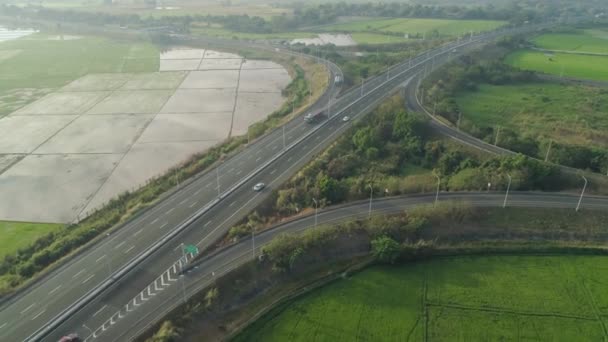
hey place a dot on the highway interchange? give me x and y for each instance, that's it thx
(196, 213)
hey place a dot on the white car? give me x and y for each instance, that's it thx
(259, 187)
(346, 118)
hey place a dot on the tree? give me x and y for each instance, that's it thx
(385, 249)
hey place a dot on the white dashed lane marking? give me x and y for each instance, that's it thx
(88, 278)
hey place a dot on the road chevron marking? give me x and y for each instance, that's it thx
(183, 261)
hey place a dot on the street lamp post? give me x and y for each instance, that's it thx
(504, 204)
(362, 85)
(217, 173)
(316, 206)
(284, 141)
(437, 193)
(580, 200)
(182, 271)
(371, 195)
(252, 241)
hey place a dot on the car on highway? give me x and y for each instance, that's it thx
(259, 187)
(70, 338)
(346, 118)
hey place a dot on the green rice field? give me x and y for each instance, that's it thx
(484, 298)
(582, 41)
(445, 27)
(561, 64)
(573, 115)
(41, 60)
(16, 235)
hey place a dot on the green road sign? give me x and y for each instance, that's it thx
(192, 249)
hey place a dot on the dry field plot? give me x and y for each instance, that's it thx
(75, 149)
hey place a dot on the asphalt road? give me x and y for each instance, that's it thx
(159, 300)
(198, 213)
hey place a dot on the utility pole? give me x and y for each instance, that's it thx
(371, 194)
(437, 193)
(458, 122)
(548, 150)
(580, 200)
(217, 173)
(316, 206)
(497, 134)
(284, 141)
(182, 271)
(504, 204)
(252, 241)
(362, 85)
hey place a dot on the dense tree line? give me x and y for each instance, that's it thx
(378, 152)
(303, 15)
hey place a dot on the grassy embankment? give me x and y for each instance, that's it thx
(575, 64)
(573, 115)
(557, 298)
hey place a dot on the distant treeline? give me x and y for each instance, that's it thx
(303, 16)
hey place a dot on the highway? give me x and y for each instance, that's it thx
(155, 300)
(104, 278)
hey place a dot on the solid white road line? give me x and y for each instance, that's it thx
(79, 273)
(38, 315)
(89, 278)
(100, 310)
(29, 307)
(55, 289)
(129, 249)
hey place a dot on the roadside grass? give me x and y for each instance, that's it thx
(567, 114)
(16, 235)
(568, 65)
(447, 27)
(453, 298)
(580, 41)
